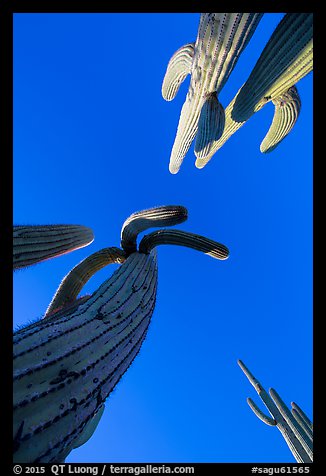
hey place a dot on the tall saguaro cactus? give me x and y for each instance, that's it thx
(286, 58)
(35, 243)
(66, 364)
(294, 425)
(210, 60)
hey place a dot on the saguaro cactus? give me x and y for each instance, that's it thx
(35, 243)
(286, 58)
(66, 364)
(210, 60)
(294, 425)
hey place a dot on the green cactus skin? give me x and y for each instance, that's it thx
(210, 60)
(295, 426)
(35, 243)
(287, 110)
(67, 364)
(286, 58)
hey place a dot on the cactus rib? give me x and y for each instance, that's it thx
(67, 364)
(35, 243)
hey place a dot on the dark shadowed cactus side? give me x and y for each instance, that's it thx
(286, 58)
(35, 243)
(294, 425)
(66, 364)
(210, 60)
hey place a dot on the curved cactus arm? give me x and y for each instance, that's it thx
(257, 411)
(286, 58)
(183, 238)
(35, 243)
(74, 281)
(304, 418)
(287, 110)
(167, 215)
(298, 431)
(90, 428)
(177, 70)
(210, 125)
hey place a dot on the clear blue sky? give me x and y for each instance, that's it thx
(92, 141)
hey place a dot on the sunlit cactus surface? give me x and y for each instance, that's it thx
(222, 37)
(210, 60)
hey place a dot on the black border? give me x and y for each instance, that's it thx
(7, 10)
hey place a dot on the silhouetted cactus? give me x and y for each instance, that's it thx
(295, 426)
(286, 58)
(66, 364)
(35, 243)
(210, 60)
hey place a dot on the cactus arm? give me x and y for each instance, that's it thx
(90, 428)
(302, 415)
(286, 58)
(210, 125)
(64, 369)
(33, 244)
(167, 215)
(299, 433)
(287, 110)
(183, 238)
(74, 281)
(177, 70)
(220, 40)
(257, 411)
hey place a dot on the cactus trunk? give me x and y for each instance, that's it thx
(66, 365)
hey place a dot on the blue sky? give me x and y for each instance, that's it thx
(92, 141)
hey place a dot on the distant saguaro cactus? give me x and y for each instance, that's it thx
(35, 243)
(66, 364)
(210, 60)
(286, 58)
(294, 425)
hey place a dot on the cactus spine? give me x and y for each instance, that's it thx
(33, 244)
(210, 60)
(294, 425)
(286, 58)
(66, 364)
